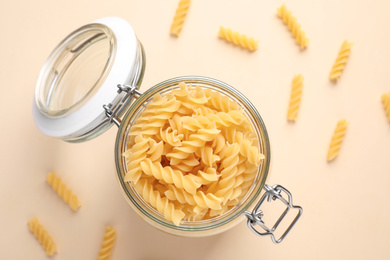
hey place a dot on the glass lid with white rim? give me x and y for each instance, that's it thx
(78, 85)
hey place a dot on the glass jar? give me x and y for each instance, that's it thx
(76, 100)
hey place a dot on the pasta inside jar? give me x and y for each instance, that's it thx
(192, 153)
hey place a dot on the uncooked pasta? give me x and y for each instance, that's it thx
(62, 191)
(337, 139)
(43, 237)
(107, 244)
(238, 39)
(341, 61)
(180, 15)
(386, 104)
(192, 154)
(295, 99)
(293, 26)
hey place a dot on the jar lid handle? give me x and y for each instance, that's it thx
(255, 217)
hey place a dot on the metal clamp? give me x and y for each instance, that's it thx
(112, 112)
(255, 217)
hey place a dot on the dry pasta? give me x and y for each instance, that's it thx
(62, 191)
(107, 244)
(293, 26)
(43, 237)
(238, 39)
(180, 15)
(337, 139)
(192, 154)
(341, 61)
(386, 104)
(295, 99)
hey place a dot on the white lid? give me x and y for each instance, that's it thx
(84, 117)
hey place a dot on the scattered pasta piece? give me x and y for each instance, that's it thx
(62, 191)
(43, 237)
(337, 139)
(238, 39)
(192, 154)
(386, 104)
(340, 62)
(180, 15)
(293, 26)
(107, 244)
(295, 99)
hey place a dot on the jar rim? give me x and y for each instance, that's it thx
(204, 225)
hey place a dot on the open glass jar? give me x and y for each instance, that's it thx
(76, 100)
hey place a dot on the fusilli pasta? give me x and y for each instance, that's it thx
(43, 237)
(386, 104)
(337, 139)
(62, 191)
(238, 39)
(192, 154)
(293, 26)
(162, 204)
(180, 15)
(107, 244)
(341, 61)
(295, 99)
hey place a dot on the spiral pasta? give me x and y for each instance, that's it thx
(386, 104)
(62, 191)
(337, 139)
(293, 26)
(180, 15)
(192, 154)
(43, 237)
(341, 61)
(238, 39)
(107, 244)
(162, 204)
(295, 99)
(170, 176)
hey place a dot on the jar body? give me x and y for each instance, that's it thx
(205, 227)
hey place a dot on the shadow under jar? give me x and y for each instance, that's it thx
(76, 108)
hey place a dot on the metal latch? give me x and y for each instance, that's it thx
(255, 217)
(112, 112)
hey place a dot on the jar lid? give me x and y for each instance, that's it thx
(81, 76)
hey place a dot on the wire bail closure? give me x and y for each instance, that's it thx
(113, 112)
(255, 217)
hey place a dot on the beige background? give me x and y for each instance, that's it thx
(346, 211)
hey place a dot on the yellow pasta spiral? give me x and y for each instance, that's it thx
(195, 141)
(134, 157)
(238, 39)
(337, 139)
(43, 237)
(229, 172)
(162, 204)
(180, 15)
(62, 191)
(200, 199)
(222, 103)
(107, 244)
(250, 152)
(341, 61)
(293, 26)
(170, 176)
(386, 104)
(160, 110)
(295, 99)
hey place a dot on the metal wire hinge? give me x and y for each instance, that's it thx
(255, 217)
(112, 112)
